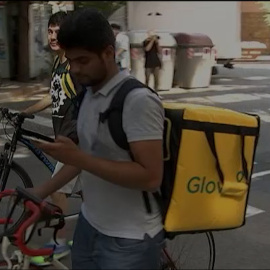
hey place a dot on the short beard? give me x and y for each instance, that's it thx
(99, 81)
(94, 83)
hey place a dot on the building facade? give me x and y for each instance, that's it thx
(255, 23)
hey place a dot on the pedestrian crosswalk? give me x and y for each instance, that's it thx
(40, 120)
(257, 99)
(21, 151)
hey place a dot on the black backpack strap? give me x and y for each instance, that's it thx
(114, 113)
(78, 98)
(56, 62)
(115, 121)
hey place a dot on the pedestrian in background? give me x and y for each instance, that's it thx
(122, 48)
(153, 63)
(61, 98)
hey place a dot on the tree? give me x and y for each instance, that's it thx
(107, 7)
(23, 65)
(266, 7)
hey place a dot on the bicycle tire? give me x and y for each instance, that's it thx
(27, 183)
(4, 265)
(186, 251)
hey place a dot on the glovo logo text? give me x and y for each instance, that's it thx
(198, 184)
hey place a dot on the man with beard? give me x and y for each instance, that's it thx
(114, 230)
(122, 48)
(62, 99)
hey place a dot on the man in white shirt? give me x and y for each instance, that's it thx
(114, 230)
(122, 48)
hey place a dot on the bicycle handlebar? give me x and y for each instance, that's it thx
(36, 208)
(16, 118)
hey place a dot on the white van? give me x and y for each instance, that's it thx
(220, 20)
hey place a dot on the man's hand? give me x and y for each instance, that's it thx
(63, 150)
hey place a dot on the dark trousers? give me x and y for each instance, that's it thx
(155, 72)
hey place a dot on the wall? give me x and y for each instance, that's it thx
(254, 23)
(4, 48)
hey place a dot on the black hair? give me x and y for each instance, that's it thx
(88, 29)
(57, 18)
(116, 26)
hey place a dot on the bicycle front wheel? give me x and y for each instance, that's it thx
(17, 177)
(16, 265)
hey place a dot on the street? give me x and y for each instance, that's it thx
(244, 88)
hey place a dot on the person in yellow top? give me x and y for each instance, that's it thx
(61, 97)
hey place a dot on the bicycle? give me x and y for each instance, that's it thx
(7, 165)
(41, 215)
(9, 169)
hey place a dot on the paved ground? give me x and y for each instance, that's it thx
(245, 88)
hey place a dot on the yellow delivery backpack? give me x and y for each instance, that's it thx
(208, 162)
(209, 158)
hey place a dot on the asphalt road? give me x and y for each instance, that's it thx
(246, 89)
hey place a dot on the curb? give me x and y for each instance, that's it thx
(253, 61)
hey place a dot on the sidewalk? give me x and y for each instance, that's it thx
(12, 91)
(16, 91)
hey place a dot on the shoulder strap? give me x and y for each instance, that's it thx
(114, 113)
(78, 98)
(55, 64)
(115, 121)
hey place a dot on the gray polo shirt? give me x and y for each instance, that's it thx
(112, 209)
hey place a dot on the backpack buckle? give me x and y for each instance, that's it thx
(102, 117)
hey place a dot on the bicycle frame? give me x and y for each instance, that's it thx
(23, 261)
(10, 148)
(38, 153)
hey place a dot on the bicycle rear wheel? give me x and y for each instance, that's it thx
(17, 177)
(186, 251)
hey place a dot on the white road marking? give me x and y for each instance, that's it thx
(225, 80)
(256, 78)
(195, 100)
(229, 98)
(252, 211)
(259, 174)
(6, 127)
(213, 88)
(20, 155)
(264, 115)
(40, 120)
(262, 95)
